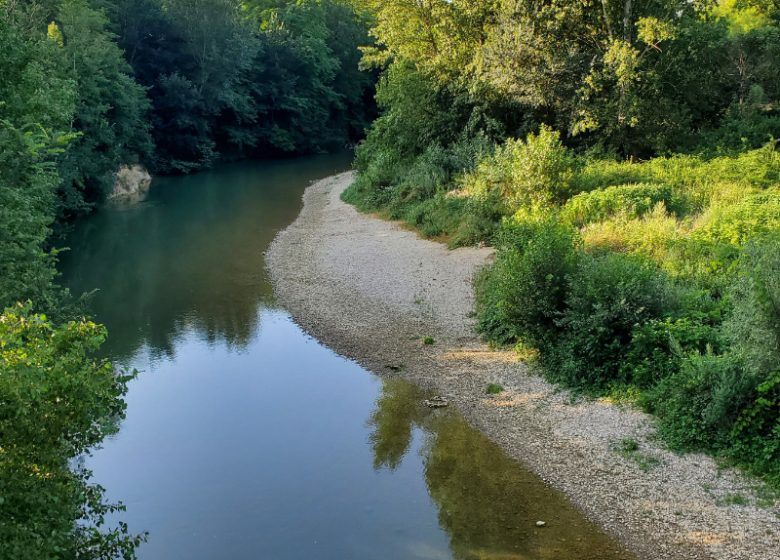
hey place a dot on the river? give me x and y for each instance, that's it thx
(247, 439)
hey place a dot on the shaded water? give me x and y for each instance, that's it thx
(247, 439)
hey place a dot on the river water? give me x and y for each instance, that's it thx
(247, 439)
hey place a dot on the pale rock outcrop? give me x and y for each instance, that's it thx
(131, 184)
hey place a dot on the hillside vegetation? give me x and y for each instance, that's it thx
(621, 157)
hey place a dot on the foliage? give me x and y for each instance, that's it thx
(631, 200)
(494, 389)
(523, 296)
(699, 404)
(27, 268)
(36, 106)
(230, 78)
(700, 350)
(110, 112)
(534, 172)
(609, 296)
(58, 402)
(658, 347)
(754, 324)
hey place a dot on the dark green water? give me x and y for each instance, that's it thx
(247, 439)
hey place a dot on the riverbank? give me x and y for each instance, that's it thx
(372, 290)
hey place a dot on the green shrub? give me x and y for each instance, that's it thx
(735, 224)
(746, 124)
(730, 402)
(696, 181)
(651, 236)
(754, 325)
(699, 405)
(523, 294)
(535, 172)
(416, 190)
(633, 201)
(753, 329)
(58, 402)
(609, 296)
(658, 347)
(756, 433)
(372, 189)
(494, 389)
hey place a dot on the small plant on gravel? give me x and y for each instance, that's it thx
(629, 448)
(766, 496)
(733, 500)
(494, 389)
(428, 340)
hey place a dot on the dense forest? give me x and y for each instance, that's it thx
(621, 156)
(87, 86)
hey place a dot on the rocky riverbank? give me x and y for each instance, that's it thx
(372, 291)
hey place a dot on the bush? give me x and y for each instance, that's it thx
(754, 325)
(699, 406)
(658, 348)
(730, 402)
(650, 236)
(58, 402)
(696, 181)
(523, 294)
(416, 190)
(537, 172)
(735, 224)
(632, 201)
(609, 296)
(756, 434)
(746, 124)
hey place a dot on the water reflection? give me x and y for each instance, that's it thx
(486, 503)
(190, 256)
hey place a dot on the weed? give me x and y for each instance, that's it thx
(629, 449)
(733, 500)
(494, 389)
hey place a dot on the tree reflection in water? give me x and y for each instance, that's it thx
(487, 503)
(189, 260)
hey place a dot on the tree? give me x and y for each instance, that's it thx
(110, 110)
(58, 402)
(35, 111)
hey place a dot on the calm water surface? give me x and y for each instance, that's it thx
(247, 439)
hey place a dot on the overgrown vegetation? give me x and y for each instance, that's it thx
(629, 182)
(618, 292)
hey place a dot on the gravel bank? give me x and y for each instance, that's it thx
(370, 289)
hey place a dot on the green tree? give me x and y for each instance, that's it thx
(58, 402)
(36, 105)
(110, 109)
